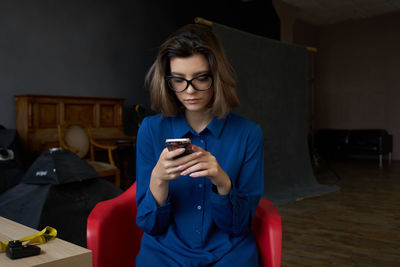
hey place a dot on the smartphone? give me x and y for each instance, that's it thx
(173, 144)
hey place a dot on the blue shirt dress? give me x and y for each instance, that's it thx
(196, 226)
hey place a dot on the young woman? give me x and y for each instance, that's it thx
(197, 210)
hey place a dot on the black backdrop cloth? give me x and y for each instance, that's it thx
(58, 190)
(272, 91)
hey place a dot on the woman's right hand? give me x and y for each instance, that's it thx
(168, 168)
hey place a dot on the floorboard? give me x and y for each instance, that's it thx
(358, 225)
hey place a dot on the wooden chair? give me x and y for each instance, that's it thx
(104, 169)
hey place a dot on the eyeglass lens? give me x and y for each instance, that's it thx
(200, 83)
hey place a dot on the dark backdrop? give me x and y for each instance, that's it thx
(101, 47)
(78, 47)
(272, 89)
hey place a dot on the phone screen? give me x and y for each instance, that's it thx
(173, 144)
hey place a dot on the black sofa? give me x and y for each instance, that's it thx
(339, 143)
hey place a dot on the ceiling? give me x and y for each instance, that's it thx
(320, 12)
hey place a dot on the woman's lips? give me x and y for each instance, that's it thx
(192, 101)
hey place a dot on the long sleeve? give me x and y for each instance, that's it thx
(234, 212)
(151, 218)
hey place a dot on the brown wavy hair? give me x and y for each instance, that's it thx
(187, 41)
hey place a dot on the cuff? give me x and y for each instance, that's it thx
(222, 200)
(150, 205)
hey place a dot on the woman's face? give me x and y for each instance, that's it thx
(188, 68)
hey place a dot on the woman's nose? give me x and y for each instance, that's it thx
(190, 89)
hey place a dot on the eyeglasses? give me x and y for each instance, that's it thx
(199, 83)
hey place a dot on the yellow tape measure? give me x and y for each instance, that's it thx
(44, 236)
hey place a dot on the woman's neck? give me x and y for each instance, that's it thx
(198, 120)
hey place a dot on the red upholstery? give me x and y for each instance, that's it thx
(114, 238)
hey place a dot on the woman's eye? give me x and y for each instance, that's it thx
(203, 78)
(177, 80)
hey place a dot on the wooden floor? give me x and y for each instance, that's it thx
(358, 225)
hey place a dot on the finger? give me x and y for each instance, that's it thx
(203, 173)
(170, 155)
(173, 172)
(199, 166)
(197, 148)
(189, 160)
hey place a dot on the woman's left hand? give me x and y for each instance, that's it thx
(207, 165)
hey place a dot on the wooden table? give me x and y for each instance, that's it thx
(55, 253)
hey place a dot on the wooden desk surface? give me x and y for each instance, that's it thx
(55, 253)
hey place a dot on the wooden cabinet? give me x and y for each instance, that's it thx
(37, 117)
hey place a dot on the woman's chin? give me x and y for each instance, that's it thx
(195, 108)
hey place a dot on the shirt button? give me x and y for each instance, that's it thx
(200, 185)
(199, 207)
(202, 141)
(198, 231)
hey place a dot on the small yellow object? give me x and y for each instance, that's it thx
(44, 236)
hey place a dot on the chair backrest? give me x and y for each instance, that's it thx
(74, 138)
(114, 237)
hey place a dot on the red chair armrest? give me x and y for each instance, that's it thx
(267, 227)
(112, 233)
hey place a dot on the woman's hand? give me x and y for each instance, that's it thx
(168, 168)
(207, 165)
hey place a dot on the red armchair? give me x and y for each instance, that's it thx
(114, 238)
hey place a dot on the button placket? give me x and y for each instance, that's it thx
(200, 195)
(203, 143)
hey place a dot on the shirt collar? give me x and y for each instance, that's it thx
(182, 128)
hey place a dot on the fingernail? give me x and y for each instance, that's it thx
(184, 173)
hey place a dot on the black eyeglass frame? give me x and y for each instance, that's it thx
(189, 82)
